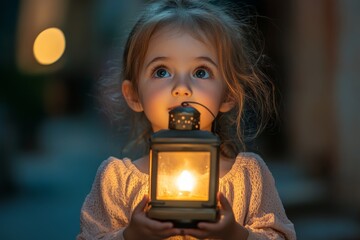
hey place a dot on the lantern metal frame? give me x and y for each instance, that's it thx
(184, 213)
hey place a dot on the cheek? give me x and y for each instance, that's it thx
(147, 91)
(152, 96)
(211, 97)
(212, 93)
(153, 100)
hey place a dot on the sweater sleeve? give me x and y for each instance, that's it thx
(105, 214)
(266, 218)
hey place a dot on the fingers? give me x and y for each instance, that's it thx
(160, 229)
(215, 229)
(225, 205)
(169, 233)
(157, 225)
(194, 232)
(157, 229)
(142, 204)
(148, 226)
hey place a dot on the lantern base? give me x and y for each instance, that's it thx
(184, 217)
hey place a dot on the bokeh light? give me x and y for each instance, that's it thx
(49, 46)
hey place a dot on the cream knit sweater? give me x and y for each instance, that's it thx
(249, 186)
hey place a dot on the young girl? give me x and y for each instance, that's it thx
(178, 51)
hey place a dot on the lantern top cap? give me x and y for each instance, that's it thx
(190, 136)
(184, 118)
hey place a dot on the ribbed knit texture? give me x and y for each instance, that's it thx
(249, 187)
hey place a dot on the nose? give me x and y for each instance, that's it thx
(181, 89)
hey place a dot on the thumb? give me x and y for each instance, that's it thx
(225, 205)
(142, 204)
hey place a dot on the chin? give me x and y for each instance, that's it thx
(156, 129)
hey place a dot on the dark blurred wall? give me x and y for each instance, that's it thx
(323, 94)
(347, 107)
(52, 136)
(312, 76)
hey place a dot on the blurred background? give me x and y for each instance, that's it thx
(53, 137)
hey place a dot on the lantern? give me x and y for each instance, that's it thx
(184, 171)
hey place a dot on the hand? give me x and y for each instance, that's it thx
(141, 227)
(225, 228)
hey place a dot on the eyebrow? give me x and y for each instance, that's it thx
(156, 59)
(207, 59)
(201, 58)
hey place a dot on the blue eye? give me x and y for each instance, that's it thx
(201, 73)
(161, 73)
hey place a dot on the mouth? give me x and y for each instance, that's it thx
(183, 104)
(171, 108)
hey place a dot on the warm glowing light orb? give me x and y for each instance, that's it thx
(49, 46)
(185, 182)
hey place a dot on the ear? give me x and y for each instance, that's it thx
(226, 106)
(130, 96)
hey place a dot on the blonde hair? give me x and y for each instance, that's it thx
(247, 86)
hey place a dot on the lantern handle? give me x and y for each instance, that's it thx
(186, 104)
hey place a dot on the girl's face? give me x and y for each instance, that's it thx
(177, 68)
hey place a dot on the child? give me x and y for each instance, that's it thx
(178, 51)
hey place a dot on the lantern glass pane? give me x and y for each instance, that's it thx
(183, 176)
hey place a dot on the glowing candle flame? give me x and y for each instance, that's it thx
(185, 182)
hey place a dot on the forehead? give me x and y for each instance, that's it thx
(176, 29)
(180, 41)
